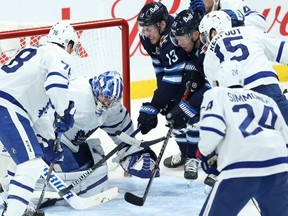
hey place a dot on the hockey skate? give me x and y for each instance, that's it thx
(210, 180)
(175, 161)
(191, 169)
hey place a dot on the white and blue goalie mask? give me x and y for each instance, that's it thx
(107, 89)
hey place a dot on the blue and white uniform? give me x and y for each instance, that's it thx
(249, 134)
(32, 82)
(255, 51)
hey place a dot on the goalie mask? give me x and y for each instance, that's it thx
(215, 20)
(107, 89)
(228, 74)
(63, 34)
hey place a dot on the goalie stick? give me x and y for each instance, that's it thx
(73, 199)
(65, 190)
(139, 143)
(139, 201)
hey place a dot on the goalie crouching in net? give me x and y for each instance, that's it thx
(98, 104)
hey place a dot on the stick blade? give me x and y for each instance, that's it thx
(133, 199)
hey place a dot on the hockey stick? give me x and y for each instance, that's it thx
(139, 201)
(56, 148)
(73, 199)
(139, 143)
(65, 190)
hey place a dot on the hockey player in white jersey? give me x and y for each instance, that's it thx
(247, 131)
(252, 48)
(99, 106)
(236, 9)
(33, 81)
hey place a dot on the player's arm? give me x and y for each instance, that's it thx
(212, 124)
(275, 48)
(117, 119)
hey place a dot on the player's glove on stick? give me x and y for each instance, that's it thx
(193, 80)
(208, 163)
(64, 123)
(180, 114)
(197, 6)
(147, 118)
(52, 154)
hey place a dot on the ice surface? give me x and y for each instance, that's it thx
(169, 195)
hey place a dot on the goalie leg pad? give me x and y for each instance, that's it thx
(141, 164)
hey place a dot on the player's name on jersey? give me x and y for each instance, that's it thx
(245, 97)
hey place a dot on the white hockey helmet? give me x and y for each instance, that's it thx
(218, 20)
(63, 33)
(228, 74)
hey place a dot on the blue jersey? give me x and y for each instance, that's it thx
(169, 62)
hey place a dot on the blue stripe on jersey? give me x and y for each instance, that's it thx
(259, 75)
(174, 79)
(255, 12)
(25, 187)
(257, 164)
(18, 198)
(175, 68)
(56, 74)
(11, 99)
(216, 116)
(279, 54)
(158, 69)
(214, 130)
(54, 85)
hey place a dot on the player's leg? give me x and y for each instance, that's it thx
(228, 197)
(274, 91)
(179, 159)
(192, 163)
(272, 195)
(20, 141)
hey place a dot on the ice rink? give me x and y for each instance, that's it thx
(169, 195)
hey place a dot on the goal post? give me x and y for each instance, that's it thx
(104, 45)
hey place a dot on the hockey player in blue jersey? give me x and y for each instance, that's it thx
(248, 133)
(171, 69)
(35, 80)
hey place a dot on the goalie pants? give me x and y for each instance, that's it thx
(229, 196)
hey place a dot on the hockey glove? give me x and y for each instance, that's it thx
(140, 164)
(237, 18)
(180, 114)
(51, 154)
(197, 6)
(193, 80)
(208, 163)
(147, 118)
(64, 123)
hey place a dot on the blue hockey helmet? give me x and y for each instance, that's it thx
(185, 22)
(152, 13)
(109, 84)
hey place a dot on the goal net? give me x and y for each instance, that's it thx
(104, 45)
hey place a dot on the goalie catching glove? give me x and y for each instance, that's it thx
(140, 163)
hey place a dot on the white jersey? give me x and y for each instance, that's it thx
(252, 17)
(246, 129)
(34, 79)
(253, 49)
